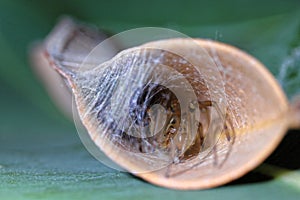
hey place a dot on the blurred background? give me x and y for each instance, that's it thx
(41, 156)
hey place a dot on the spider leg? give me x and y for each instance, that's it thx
(226, 127)
(195, 148)
(229, 132)
(215, 150)
(197, 144)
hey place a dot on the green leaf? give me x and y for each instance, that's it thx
(41, 156)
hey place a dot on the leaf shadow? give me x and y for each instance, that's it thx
(285, 156)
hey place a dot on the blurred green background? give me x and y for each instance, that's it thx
(41, 156)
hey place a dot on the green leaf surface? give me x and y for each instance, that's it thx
(41, 156)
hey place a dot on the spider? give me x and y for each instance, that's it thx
(142, 115)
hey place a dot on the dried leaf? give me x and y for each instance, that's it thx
(257, 113)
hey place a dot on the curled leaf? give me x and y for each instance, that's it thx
(181, 113)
